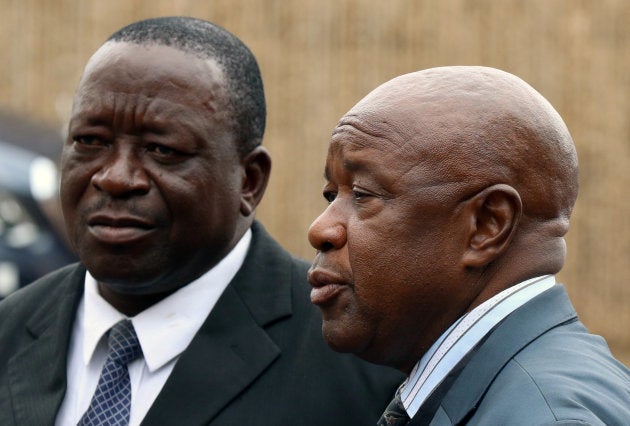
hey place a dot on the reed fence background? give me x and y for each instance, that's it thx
(318, 57)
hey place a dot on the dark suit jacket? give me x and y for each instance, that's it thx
(540, 366)
(259, 358)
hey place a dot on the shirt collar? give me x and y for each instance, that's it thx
(461, 337)
(166, 328)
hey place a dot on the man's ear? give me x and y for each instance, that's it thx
(493, 216)
(257, 166)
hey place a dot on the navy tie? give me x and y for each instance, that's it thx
(395, 413)
(111, 402)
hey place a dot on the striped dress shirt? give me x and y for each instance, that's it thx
(462, 337)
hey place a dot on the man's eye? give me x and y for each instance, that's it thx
(161, 150)
(330, 196)
(87, 140)
(359, 195)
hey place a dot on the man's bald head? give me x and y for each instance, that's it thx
(485, 126)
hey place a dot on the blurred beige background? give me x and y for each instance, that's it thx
(318, 57)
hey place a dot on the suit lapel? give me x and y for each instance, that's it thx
(524, 325)
(37, 373)
(232, 347)
(227, 355)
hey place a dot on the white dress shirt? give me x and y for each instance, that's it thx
(461, 337)
(164, 331)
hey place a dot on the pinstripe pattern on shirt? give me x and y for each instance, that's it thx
(462, 337)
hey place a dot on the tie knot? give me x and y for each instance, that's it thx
(123, 343)
(395, 413)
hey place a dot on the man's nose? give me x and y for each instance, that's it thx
(328, 231)
(122, 174)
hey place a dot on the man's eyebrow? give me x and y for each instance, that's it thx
(353, 166)
(349, 165)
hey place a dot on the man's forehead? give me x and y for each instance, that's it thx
(122, 68)
(394, 170)
(373, 145)
(96, 107)
(370, 129)
(363, 152)
(154, 59)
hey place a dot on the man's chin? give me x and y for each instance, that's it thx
(359, 341)
(134, 282)
(124, 287)
(344, 338)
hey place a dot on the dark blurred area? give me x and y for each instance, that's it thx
(32, 239)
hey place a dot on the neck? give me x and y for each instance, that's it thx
(131, 304)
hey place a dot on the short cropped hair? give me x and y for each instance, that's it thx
(210, 41)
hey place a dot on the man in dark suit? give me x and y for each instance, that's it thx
(450, 191)
(183, 310)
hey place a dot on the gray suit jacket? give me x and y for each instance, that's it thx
(540, 366)
(259, 358)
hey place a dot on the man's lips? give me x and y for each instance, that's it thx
(326, 286)
(118, 229)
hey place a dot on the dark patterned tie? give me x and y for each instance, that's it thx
(395, 413)
(111, 402)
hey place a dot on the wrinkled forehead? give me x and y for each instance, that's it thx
(441, 113)
(401, 125)
(412, 124)
(155, 69)
(370, 144)
(152, 87)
